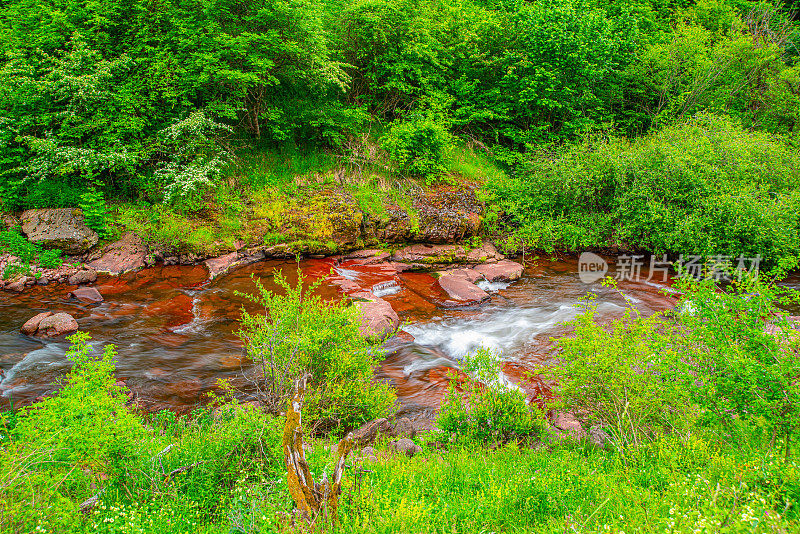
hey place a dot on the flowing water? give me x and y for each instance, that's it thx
(175, 330)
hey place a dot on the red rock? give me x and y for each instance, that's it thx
(17, 286)
(127, 254)
(222, 264)
(486, 253)
(87, 294)
(568, 423)
(462, 290)
(505, 270)
(378, 319)
(175, 310)
(84, 276)
(363, 254)
(348, 287)
(470, 275)
(32, 325)
(443, 254)
(57, 325)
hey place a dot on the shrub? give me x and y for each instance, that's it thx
(93, 205)
(301, 334)
(419, 146)
(705, 187)
(623, 376)
(195, 154)
(489, 410)
(15, 244)
(745, 354)
(729, 361)
(61, 445)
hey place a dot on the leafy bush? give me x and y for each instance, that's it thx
(87, 422)
(745, 354)
(195, 158)
(15, 244)
(705, 187)
(300, 334)
(93, 205)
(64, 443)
(419, 146)
(729, 360)
(489, 410)
(624, 376)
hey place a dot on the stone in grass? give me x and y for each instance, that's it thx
(405, 446)
(404, 428)
(599, 437)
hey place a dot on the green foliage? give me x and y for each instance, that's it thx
(195, 155)
(93, 205)
(728, 360)
(745, 353)
(671, 485)
(624, 376)
(488, 409)
(87, 422)
(420, 146)
(14, 243)
(61, 444)
(300, 334)
(705, 187)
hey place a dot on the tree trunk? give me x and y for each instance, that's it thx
(312, 499)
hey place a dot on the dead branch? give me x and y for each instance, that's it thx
(312, 499)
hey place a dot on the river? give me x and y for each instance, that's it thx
(175, 330)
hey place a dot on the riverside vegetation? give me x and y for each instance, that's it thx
(670, 127)
(699, 411)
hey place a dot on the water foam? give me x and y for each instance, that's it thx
(500, 329)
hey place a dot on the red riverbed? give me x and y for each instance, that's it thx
(175, 330)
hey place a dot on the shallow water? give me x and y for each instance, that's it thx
(175, 331)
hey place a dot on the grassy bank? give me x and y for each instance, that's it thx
(290, 196)
(704, 187)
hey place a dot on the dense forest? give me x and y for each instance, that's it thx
(197, 107)
(238, 128)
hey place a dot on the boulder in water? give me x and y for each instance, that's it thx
(427, 254)
(59, 324)
(463, 291)
(17, 286)
(378, 319)
(87, 294)
(61, 228)
(32, 325)
(503, 270)
(221, 264)
(470, 275)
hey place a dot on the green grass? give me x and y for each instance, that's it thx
(474, 166)
(678, 485)
(265, 188)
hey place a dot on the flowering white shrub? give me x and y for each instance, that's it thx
(196, 156)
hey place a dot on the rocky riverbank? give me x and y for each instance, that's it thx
(320, 222)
